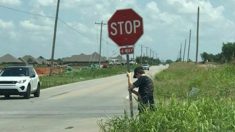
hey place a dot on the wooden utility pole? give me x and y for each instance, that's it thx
(146, 51)
(184, 48)
(54, 37)
(141, 59)
(189, 41)
(181, 52)
(134, 54)
(101, 28)
(197, 40)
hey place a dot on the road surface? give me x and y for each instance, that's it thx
(69, 108)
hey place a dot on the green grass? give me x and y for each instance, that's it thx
(211, 108)
(179, 79)
(80, 75)
(200, 115)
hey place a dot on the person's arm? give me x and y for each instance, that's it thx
(131, 86)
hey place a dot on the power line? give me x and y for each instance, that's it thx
(25, 12)
(71, 27)
(40, 15)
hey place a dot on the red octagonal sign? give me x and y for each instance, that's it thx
(125, 27)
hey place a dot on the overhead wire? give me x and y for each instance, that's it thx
(51, 17)
(40, 15)
(25, 12)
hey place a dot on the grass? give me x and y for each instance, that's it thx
(80, 75)
(201, 115)
(179, 79)
(210, 108)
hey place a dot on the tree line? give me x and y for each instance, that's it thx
(227, 55)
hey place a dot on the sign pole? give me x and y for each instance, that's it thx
(130, 94)
(125, 27)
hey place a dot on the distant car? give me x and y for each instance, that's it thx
(132, 62)
(19, 80)
(145, 66)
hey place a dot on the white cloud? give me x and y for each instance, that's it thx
(152, 7)
(166, 23)
(47, 2)
(6, 25)
(211, 13)
(7, 29)
(29, 25)
(10, 2)
(207, 10)
(184, 6)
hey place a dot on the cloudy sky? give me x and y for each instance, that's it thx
(26, 26)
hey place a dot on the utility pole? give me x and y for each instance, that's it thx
(101, 28)
(184, 48)
(147, 58)
(197, 40)
(141, 55)
(189, 41)
(134, 54)
(153, 57)
(180, 52)
(146, 51)
(150, 50)
(54, 37)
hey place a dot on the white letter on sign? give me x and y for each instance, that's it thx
(136, 24)
(114, 31)
(120, 27)
(128, 24)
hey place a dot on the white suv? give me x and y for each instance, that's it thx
(19, 80)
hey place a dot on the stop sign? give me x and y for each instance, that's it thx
(125, 27)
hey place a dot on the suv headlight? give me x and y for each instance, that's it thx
(21, 81)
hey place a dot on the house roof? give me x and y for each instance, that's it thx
(8, 58)
(84, 58)
(119, 57)
(42, 60)
(30, 59)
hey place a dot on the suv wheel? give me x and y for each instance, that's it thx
(28, 92)
(37, 93)
(7, 96)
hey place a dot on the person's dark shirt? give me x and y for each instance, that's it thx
(145, 85)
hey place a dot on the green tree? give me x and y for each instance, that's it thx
(228, 51)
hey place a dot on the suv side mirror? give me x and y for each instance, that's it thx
(33, 75)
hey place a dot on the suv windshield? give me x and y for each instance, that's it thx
(16, 71)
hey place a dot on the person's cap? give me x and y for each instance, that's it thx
(138, 70)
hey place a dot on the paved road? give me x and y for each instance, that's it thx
(69, 108)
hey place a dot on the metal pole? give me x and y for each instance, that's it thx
(198, 10)
(54, 37)
(130, 94)
(189, 44)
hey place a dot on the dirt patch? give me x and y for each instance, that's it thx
(43, 71)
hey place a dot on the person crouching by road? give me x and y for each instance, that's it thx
(145, 92)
